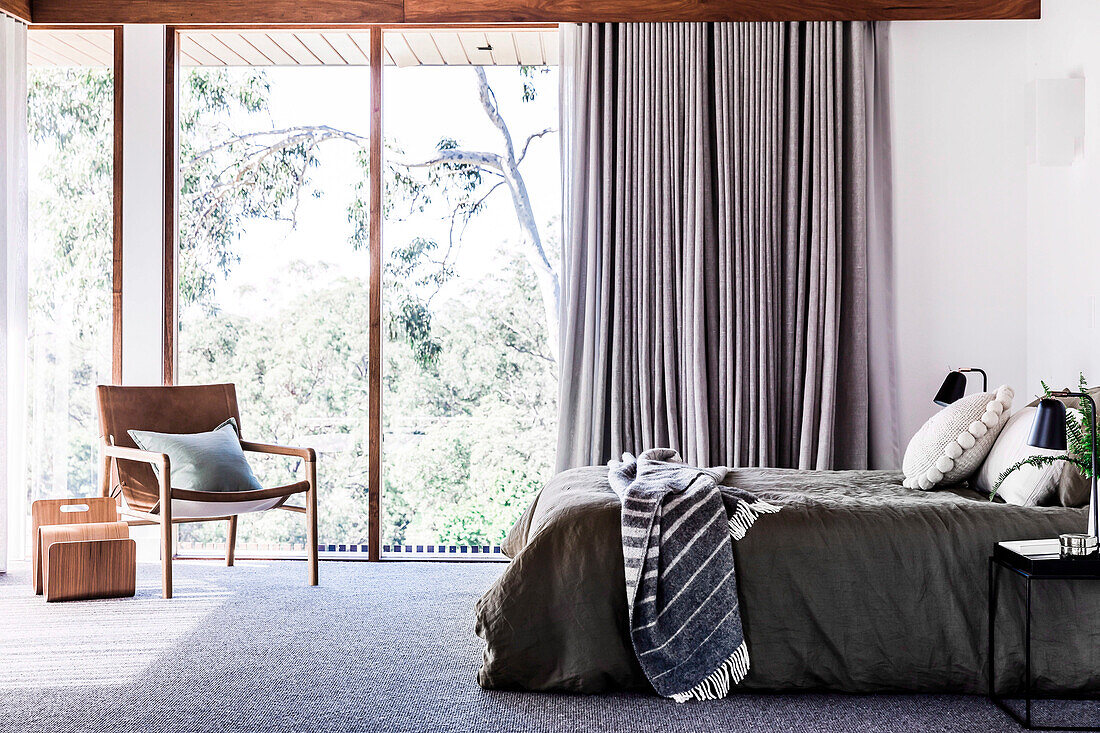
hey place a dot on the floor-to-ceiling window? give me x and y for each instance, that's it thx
(273, 269)
(71, 103)
(470, 279)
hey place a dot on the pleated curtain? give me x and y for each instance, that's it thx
(715, 243)
(13, 283)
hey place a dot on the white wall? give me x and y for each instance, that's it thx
(997, 258)
(959, 201)
(143, 222)
(1063, 232)
(142, 203)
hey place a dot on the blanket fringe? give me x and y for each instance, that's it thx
(718, 683)
(746, 514)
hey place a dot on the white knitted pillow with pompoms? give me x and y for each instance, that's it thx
(954, 442)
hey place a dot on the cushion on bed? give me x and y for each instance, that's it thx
(1027, 485)
(1074, 489)
(954, 442)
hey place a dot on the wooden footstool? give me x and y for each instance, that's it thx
(81, 550)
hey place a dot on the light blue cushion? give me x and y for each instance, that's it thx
(210, 461)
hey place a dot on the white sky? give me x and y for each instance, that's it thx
(423, 104)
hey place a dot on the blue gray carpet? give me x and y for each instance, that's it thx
(376, 647)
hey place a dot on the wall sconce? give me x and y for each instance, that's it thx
(1059, 134)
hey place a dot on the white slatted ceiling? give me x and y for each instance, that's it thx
(320, 48)
(551, 48)
(270, 50)
(421, 46)
(504, 47)
(398, 51)
(70, 48)
(352, 54)
(294, 47)
(102, 40)
(530, 48)
(192, 48)
(273, 47)
(216, 45)
(451, 48)
(244, 49)
(476, 48)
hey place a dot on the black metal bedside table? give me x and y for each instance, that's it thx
(1033, 560)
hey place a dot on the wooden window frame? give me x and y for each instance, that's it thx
(374, 313)
(171, 250)
(116, 204)
(171, 202)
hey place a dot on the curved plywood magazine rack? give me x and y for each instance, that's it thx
(81, 550)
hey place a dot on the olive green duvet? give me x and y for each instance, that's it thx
(857, 584)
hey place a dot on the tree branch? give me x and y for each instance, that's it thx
(326, 132)
(481, 159)
(530, 139)
(489, 103)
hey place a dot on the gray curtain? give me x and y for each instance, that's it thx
(715, 249)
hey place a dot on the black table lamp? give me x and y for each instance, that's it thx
(954, 386)
(1048, 430)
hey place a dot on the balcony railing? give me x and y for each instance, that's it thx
(289, 551)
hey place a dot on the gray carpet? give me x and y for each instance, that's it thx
(376, 647)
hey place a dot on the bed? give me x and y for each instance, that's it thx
(857, 585)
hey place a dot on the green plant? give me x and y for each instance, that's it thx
(1078, 442)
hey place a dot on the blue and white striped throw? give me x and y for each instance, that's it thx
(681, 583)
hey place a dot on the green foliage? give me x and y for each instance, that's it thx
(1078, 442)
(470, 438)
(300, 366)
(409, 318)
(530, 87)
(69, 122)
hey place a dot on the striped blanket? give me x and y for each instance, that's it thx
(681, 583)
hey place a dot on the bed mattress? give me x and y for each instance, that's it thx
(858, 584)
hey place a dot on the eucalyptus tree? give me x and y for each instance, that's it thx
(230, 174)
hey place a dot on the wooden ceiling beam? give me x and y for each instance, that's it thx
(625, 11)
(219, 12)
(313, 12)
(20, 9)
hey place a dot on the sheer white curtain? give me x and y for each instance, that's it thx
(13, 281)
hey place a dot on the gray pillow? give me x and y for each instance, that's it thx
(210, 461)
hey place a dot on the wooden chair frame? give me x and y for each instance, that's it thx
(165, 520)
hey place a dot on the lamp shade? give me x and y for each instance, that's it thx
(952, 389)
(1048, 429)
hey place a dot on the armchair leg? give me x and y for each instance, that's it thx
(166, 527)
(231, 542)
(311, 521)
(166, 550)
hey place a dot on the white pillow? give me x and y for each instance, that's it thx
(952, 444)
(1027, 485)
